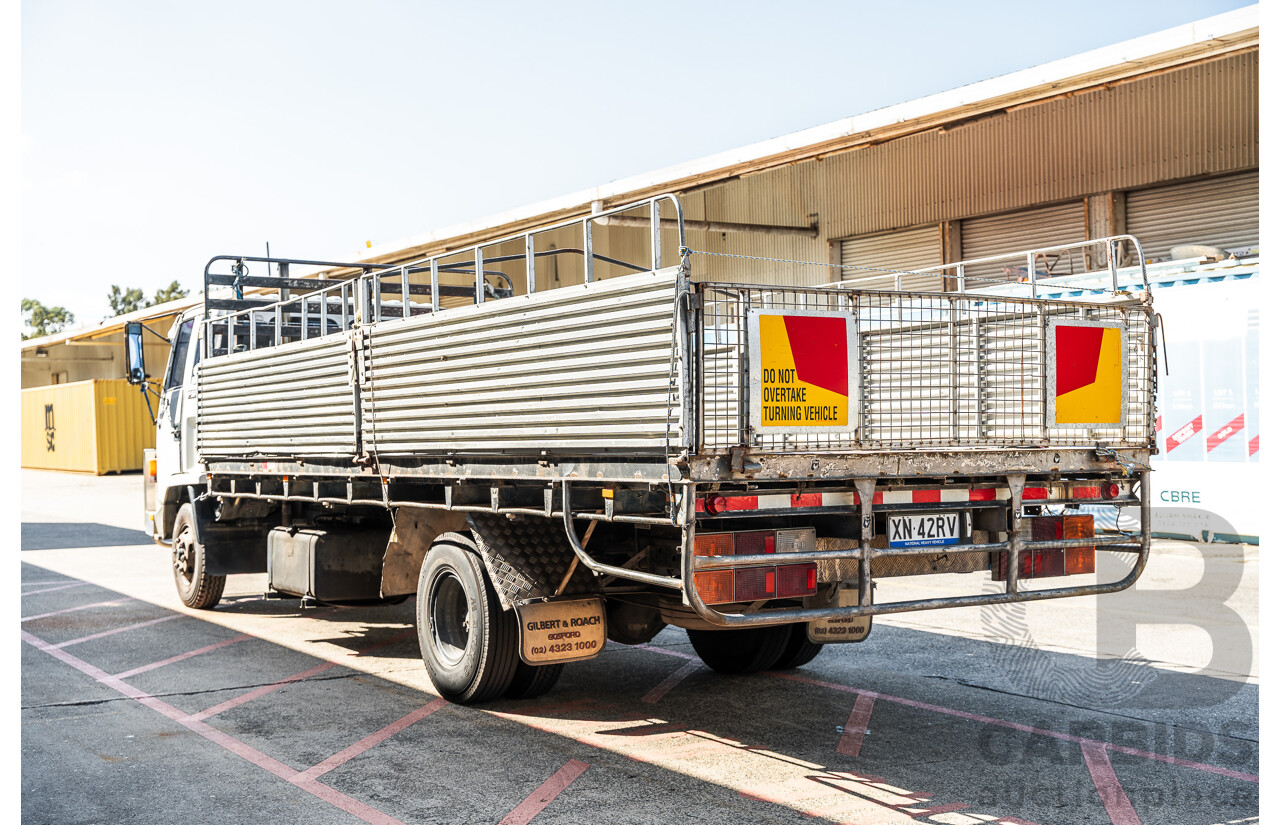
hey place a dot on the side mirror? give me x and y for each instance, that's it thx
(135, 367)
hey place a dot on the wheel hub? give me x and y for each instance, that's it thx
(450, 619)
(182, 559)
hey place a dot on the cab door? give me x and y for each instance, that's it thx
(175, 425)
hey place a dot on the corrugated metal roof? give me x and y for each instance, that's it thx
(1217, 35)
(148, 315)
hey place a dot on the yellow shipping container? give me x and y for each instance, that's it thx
(99, 426)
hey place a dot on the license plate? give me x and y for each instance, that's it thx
(919, 530)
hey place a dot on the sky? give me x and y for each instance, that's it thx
(155, 135)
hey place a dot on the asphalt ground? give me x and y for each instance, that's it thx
(1136, 707)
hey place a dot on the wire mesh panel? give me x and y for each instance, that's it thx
(935, 370)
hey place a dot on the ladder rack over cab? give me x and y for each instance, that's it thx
(681, 438)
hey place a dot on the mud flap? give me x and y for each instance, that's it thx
(527, 558)
(411, 537)
(844, 628)
(561, 631)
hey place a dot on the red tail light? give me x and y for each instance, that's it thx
(1063, 561)
(753, 583)
(753, 543)
(1110, 489)
(797, 580)
(757, 582)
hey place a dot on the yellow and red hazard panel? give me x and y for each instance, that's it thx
(803, 371)
(1086, 373)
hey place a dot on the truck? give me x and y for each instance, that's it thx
(657, 436)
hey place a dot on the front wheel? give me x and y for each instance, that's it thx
(469, 644)
(196, 587)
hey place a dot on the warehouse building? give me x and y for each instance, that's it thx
(1155, 137)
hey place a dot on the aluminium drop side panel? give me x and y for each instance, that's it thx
(293, 400)
(579, 369)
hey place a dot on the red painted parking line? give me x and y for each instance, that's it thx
(1066, 737)
(666, 651)
(230, 743)
(1116, 801)
(51, 589)
(288, 680)
(116, 630)
(349, 753)
(249, 696)
(74, 609)
(856, 727)
(183, 656)
(665, 686)
(547, 791)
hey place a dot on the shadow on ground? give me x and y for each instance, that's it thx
(63, 535)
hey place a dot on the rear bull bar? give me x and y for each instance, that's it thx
(864, 553)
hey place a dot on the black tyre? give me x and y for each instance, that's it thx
(196, 588)
(740, 651)
(799, 650)
(468, 642)
(531, 681)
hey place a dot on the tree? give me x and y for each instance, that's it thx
(124, 300)
(172, 292)
(131, 299)
(43, 320)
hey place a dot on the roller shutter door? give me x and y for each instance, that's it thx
(1221, 212)
(1020, 231)
(902, 250)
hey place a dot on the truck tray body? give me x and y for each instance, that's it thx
(610, 369)
(669, 403)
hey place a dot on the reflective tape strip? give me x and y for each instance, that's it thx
(949, 495)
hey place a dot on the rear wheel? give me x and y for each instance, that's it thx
(468, 642)
(196, 587)
(740, 651)
(799, 650)
(531, 681)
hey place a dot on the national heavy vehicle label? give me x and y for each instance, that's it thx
(1086, 373)
(804, 371)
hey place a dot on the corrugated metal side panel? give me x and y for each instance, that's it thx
(580, 368)
(123, 426)
(296, 399)
(1000, 234)
(58, 431)
(908, 249)
(1220, 212)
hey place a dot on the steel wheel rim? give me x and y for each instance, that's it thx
(450, 628)
(183, 564)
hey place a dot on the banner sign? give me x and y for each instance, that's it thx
(1088, 373)
(804, 371)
